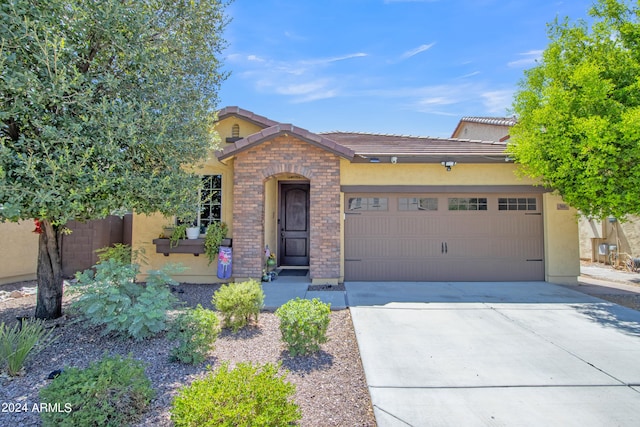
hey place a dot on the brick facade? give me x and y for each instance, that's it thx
(286, 154)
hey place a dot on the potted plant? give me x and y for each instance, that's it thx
(193, 231)
(167, 231)
(179, 232)
(216, 231)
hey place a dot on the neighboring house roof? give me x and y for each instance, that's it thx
(491, 121)
(363, 147)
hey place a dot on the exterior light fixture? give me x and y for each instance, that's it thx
(394, 160)
(448, 165)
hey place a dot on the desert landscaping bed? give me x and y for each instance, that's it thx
(331, 389)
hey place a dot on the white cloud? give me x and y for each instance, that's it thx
(417, 50)
(497, 101)
(475, 73)
(529, 59)
(455, 99)
(302, 80)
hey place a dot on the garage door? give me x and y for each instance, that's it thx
(443, 237)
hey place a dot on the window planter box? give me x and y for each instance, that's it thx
(185, 246)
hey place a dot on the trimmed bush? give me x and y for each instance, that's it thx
(111, 392)
(249, 395)
(239, 303)
(303, 324)
(112, 298)
(17, 343)
(196, 330)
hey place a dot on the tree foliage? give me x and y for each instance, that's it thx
(102, 104)
(579, 112)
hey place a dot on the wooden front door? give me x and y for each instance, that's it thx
(294, 224)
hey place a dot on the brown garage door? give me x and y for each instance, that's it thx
(443, 237)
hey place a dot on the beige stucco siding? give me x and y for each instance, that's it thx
(484, 132)
(429, 174)
(624, 235)
(562, 255)
(18, 252)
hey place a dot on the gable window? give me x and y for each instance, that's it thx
(235, 134)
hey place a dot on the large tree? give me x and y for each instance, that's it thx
(102, 104)
(578, 112)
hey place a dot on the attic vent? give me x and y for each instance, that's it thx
(235, 133)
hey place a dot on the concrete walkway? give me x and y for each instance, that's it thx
(286, 288)
(510, 354)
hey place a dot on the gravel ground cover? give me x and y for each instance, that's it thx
(331, 389)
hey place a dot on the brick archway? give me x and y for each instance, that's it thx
(286, 154)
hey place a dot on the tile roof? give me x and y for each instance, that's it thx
(361, 147)
(281, 129)
(246, 115)
(419, 148)
(496, 121)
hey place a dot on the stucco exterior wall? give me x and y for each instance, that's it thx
(146, 228)
(561, 250)
(223, 127)
(429, 174)
(484, 132)
(625, 235)
(18, 252)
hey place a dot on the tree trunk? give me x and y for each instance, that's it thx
(49, 304)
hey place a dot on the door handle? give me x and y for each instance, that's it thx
(441, 247)
(446, 249)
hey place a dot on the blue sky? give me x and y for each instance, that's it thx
(412, 67)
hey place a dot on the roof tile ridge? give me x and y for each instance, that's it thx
(380, 134)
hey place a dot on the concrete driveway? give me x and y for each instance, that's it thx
(496, 354)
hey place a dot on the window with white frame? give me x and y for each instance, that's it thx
(210, 200)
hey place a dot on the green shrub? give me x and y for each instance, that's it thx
(239, 303)
(121, 253)
(113, 391)
(196, 331)
(249, 395)
(111, 298)
(303, 324)
(17, 343)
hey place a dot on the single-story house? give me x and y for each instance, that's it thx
(366, 207)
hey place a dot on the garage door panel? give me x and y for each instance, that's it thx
(417, 226)
(398, 243)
